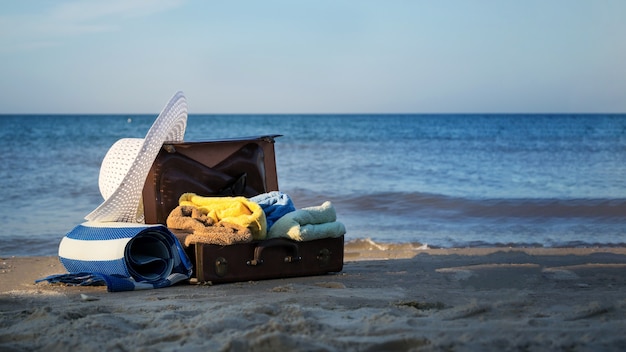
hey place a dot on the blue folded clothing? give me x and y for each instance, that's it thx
(275, 205)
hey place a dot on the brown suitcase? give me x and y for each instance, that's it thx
(268, 259)
(233, 167)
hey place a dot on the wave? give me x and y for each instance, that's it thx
(48, 246)
(368, 244)
(405, 204)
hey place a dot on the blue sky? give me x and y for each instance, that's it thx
(322, 56)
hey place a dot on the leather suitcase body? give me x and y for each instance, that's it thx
(268, 259)
(233, 167)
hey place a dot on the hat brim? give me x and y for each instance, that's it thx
(125, 203)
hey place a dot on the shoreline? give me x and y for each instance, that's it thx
(388, 297)
(364, 245)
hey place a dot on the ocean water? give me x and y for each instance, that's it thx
(438, 180)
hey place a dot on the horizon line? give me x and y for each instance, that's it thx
(312, 113)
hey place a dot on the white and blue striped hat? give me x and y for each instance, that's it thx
(126, 165)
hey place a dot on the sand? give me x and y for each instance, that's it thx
(387, 298)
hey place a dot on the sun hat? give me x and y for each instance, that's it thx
(126, 165)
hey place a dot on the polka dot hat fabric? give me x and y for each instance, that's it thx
(126, 165)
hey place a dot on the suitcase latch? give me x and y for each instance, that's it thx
(169, 148)
(324, 257)
(221, 266)
(291, 259)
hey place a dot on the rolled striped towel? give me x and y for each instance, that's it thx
(124, 256)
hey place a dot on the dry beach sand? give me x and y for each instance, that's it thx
(392, 297)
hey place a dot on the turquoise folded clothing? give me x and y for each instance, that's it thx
(308, 224)
(122, 256)
(275, 205)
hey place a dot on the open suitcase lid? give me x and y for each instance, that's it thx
(226, 167)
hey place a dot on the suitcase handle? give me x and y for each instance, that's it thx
(275, 242)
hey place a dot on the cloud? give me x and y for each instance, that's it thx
(23, 31)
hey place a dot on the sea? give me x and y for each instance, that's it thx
(434, 181)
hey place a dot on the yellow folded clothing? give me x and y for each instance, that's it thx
(202, 229)
(231, 210)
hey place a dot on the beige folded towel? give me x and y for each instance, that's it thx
(232, 210)
(204, 229)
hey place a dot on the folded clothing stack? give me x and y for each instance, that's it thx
(218, 220)
(229, 220)
(308, 224)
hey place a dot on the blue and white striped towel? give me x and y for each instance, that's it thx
(124, 256)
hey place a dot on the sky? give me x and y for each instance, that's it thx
(321, 56)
